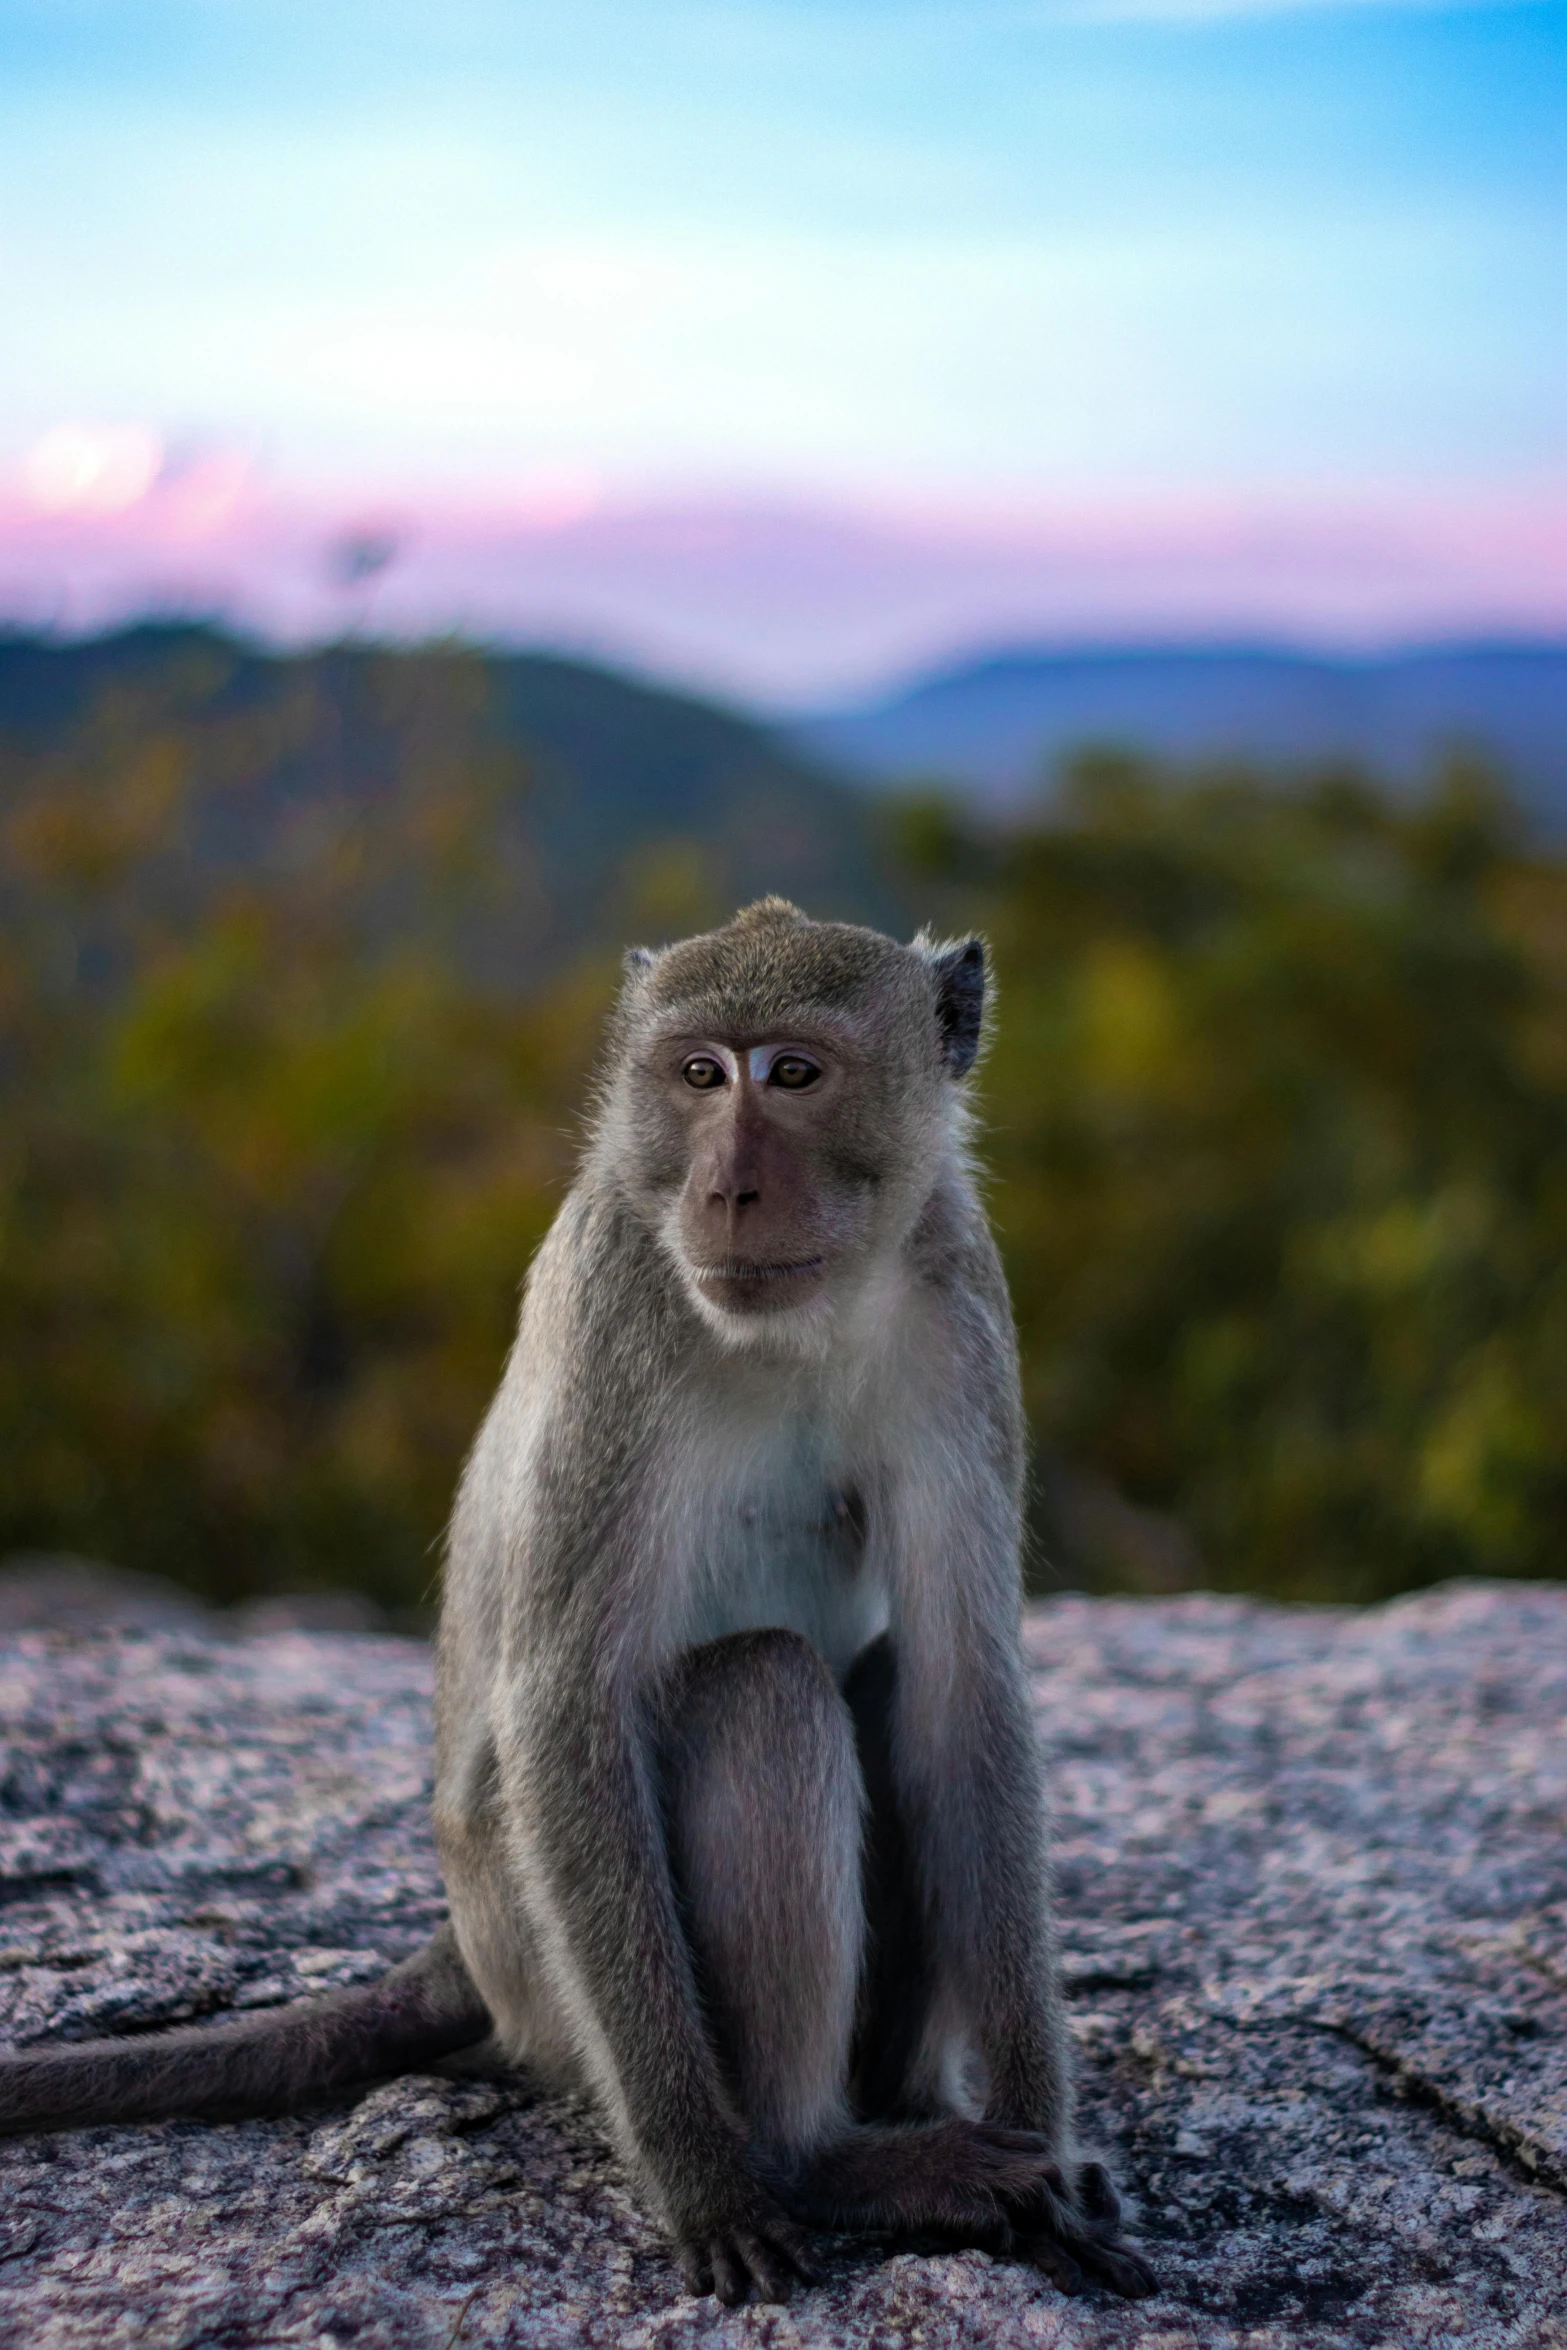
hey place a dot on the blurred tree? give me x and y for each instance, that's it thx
(273, 1158)
(1278, 1118)
(1277, 1114)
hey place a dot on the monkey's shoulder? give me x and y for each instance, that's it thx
(602, 1319)
(954, 1270)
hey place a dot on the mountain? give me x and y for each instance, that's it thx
(997, 727)
(623, 809)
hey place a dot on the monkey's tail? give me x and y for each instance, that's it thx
(263, 2063)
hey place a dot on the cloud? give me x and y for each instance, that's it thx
(795, 601)
(91, 468)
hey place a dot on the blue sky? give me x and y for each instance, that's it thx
(834, 246)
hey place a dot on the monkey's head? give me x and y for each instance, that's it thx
(781, 1099)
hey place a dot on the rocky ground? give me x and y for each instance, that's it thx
(1313, 1874)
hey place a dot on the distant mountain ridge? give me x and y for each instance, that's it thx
(629, 810)
(996, 727)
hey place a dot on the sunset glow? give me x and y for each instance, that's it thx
(772, 342)
(90, 469)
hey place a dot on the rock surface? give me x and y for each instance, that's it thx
(1313, 1877)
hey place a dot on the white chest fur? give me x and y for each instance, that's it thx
(774, 1528)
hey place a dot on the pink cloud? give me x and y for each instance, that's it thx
(779, 600)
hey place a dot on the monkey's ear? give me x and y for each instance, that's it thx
(959, 973)
(637, 962)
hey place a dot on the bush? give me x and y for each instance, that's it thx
(272, 1159)
(1278, 1118)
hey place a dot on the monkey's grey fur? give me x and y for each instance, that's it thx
(737, 1793)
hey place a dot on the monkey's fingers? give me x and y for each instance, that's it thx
(1096, 2195)
(696, 2272)
(1124, 2272)
(1068, 2258)
(727, 2265)
(1113, 2263)
(786, 2238)
(775, 2263)
(731, 2277)
(1016, 2168)
(1053, 2260)
(1041, 2207)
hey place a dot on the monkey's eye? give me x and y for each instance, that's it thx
(794, 1072)
(703, 1072)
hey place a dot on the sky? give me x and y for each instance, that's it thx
(777, 343)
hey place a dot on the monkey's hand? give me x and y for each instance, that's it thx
(739, 2237)
(1067, 2227)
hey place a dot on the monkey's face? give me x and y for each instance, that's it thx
(778, 1171)
(780, 1107)
(779, 1189)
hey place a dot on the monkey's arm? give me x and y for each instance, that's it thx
(966, 1758)
(970, 1791)
(578, 1789)
(547, 1568)
(966, 1755)
(971, 1787)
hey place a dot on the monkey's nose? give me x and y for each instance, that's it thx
(731, 1197)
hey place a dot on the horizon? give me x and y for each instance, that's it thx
(902, 686)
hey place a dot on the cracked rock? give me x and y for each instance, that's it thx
(1312, 1875)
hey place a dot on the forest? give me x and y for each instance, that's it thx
(302, 967)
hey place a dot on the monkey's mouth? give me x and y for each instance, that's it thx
(748, 1282)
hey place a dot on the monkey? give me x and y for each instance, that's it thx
(737, 1799)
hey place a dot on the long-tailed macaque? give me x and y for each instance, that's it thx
(737, 1793)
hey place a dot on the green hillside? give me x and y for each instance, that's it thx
(613, 807)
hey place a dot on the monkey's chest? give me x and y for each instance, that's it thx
(796, 1559)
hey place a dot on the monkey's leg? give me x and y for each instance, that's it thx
(763, 1802)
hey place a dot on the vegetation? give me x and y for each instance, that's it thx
(273, 1155)
(1277, 1110)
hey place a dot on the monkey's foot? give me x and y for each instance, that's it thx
(971, 2182)
(1070, 2236)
